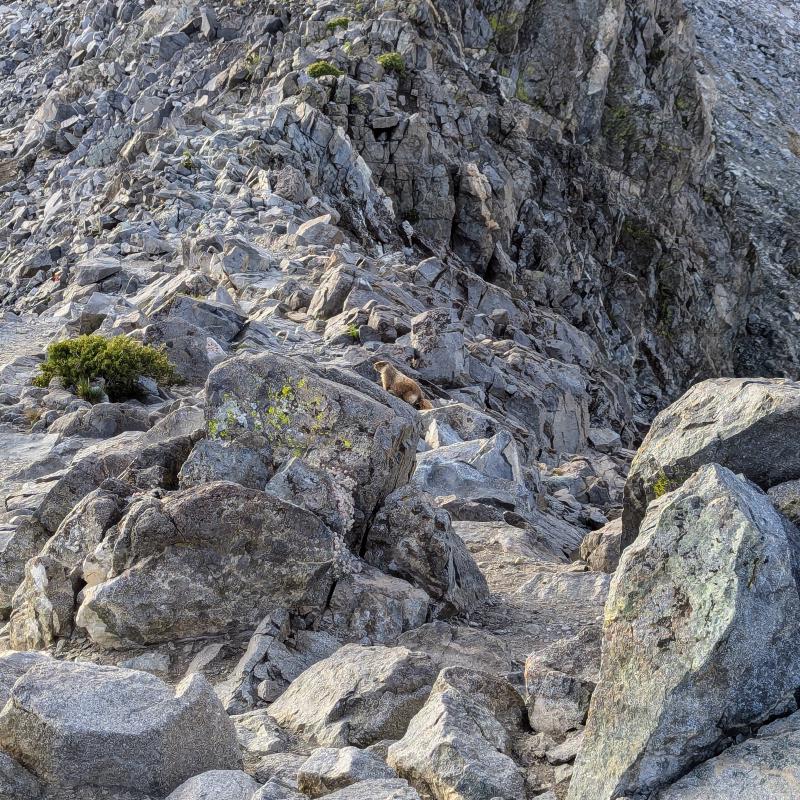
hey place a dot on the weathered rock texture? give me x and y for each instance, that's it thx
(746, 425)
(700, 636)
(80, 724)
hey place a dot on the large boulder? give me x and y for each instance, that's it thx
(77, 724)
(702, 636)
(458, 747)
(340, 423)
(766, 767)
(414, 540)
(212, 558)
(357, 696)
(748, 425)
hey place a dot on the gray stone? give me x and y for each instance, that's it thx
(212, 460)
(13, 665)
(16, 783)
(43, 607)
(747, 425)
(370, 607)
(414, 540)
(209, 559)
(335, 423)
(438, 342)
(701, 636)
(764, 767)
(317, 491)
(786, 498)
(357, 696)
(600, 549)
(221, 321)
(387, 789)
(559, 681)
(328, 769)
(458, 747)
(216, 785)
(77, 724)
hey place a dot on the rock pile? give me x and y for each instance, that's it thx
(265, 577)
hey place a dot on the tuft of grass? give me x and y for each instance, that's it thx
(352, 331)
(338, 22)
(119, 361)
(251, 64)
(392, 62)
(320, 68)
(86, 391)
(187, 162)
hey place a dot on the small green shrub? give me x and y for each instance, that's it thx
(339, 22)
(186, 160)
(320, 68)
(392, 62)
(119, 361)
(353, 332)
(251, 64)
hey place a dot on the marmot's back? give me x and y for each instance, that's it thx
(401, 386)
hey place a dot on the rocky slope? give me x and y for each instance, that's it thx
(275, 580)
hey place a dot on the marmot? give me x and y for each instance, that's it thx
(401, 385)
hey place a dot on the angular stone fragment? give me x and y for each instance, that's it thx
(16, 783)
(702, 636)
(215, 460)
(76, 724)
(559, 682)
(386, 789)
(217, 784)
(766, 767)
(329, 769)
(43, 607)
(458, 747)
(414, 540)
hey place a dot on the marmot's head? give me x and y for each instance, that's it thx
(379, 366)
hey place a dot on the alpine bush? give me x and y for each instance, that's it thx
(320, 68)
(119, 361)
(392, 62)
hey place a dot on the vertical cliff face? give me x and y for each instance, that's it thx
(565, 152)
(750, 54)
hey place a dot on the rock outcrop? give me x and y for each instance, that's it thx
(556, 218)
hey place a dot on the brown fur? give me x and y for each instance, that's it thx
(401, 385)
